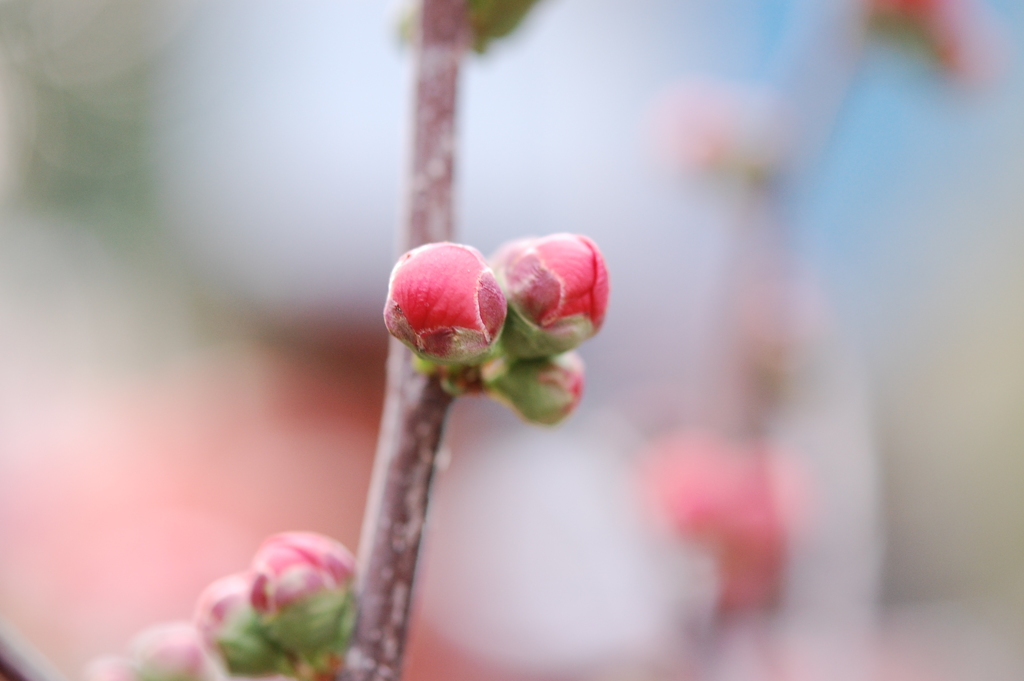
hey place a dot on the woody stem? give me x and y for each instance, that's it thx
(415, 405)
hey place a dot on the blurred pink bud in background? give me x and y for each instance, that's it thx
(557, 288)
(110, 668)
(961, 35)
(294, 565)
(740, 502)
(704, 125)
(172, 652)
(444, 303)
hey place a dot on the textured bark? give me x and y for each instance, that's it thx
(443, 37)
(414, 414)
(415, 406)
(19, 662)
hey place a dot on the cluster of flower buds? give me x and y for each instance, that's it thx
(290, 614)
(959, 35)
(741, 503)
(507, 328)
(705, 125)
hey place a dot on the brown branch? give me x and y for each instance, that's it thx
(414, 416)
(20, 662)
(442, 41)
(415, 406)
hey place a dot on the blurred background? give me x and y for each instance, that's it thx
(197, 207)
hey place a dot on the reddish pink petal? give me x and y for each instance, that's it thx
(436, 287)
(291, 565)
(536, 289)
(219, 600)
(491, 304)
(579, 266)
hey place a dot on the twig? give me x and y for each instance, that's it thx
(415, 406)
(20, 662)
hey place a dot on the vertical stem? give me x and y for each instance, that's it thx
(414, 414)
(415, 406)
(763, 307)
(443, 38)
(823, 58)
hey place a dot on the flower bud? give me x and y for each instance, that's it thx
(229, 625)
(110, 668)
(961, 36)
(557, 289)
(741, 502)
(445, 304)
(713, 126)
(542, 390)
(301, 591)
(172, 652)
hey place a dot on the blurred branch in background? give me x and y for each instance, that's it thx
(20, 662)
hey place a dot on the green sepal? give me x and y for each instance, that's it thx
(492, 19)
(424, 366)
(523, 339)
(330, 658)
(247, 650)
(488, 20)
(314, 626)
(544, 390)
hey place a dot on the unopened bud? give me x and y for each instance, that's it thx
(557, 289)
(961, 36)
(542, 390)
(712, 126)
(229, 625)
(742, 502)
(110, 668)
(172, 652)
(445, 304)
(301, 591)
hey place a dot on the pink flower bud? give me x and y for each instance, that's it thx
(110, 668)
(172, 652)
(293, 565)
(301, 591)
(557, 289)
(444, 303)
(229, 625)
(740, 502)
(542, 390)
(961, 36)
(706, 125)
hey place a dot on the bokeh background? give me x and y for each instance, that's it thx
(199, 199)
